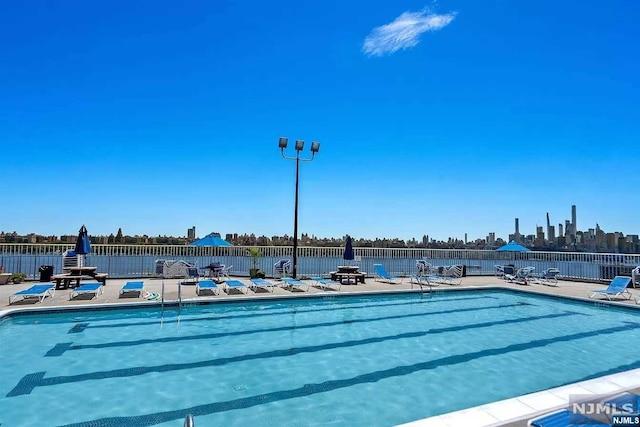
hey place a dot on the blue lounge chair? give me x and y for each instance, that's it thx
(326, 283)
(259, 283)
(208, 286)
(617, 287)
(383, 275)
(292, 283)
(624, 402)
(132, 287)
(565, 418)
(235, 284)
(87, 289)
(36, 291)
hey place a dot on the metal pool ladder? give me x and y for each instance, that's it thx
(162, 307)
(179, 301)
(188, 422)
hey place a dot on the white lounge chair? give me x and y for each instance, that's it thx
(453, 275)
(635, 277)
(522, 275)
(224, 273)
(547, 277)
(282, 268)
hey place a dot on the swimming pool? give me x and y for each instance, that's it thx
(368, 360)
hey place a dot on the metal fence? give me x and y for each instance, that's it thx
(124, 261)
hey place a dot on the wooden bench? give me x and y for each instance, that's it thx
(64, 281)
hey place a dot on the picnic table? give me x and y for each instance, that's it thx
(76, 274)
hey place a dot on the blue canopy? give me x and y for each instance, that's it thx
(212, 239)
(513, 247)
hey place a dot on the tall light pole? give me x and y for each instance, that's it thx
(315, 147)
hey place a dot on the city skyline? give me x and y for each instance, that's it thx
(568, 237)
(434, 118)
(565, 227)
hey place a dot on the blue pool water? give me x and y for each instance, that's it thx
(344, 361)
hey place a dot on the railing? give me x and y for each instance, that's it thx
(126, 261)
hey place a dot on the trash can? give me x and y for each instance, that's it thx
(46, 271)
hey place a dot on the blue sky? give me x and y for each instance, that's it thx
(434, 118)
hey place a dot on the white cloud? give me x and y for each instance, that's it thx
(404, 32)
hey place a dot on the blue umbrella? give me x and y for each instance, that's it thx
(513, 247)
(83, 245)
(348, 250)
(211, 239)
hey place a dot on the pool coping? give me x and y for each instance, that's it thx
(532, 405)
(189, 302)
(498, 413)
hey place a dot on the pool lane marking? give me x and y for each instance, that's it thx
(60, 348)
(31, 381)
(81, 327)
(327, 386)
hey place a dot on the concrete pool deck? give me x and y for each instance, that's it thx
(515, 412)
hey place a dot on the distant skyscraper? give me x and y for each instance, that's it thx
(517, 233)
(548, 228)
(574, 225)
(191, 233)
(539, 239)
(560, 231)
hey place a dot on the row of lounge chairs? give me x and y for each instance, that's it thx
(41, 291)
(257, 284)
(617, 288)
(527, 275)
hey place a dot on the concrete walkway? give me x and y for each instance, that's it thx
(111, 294)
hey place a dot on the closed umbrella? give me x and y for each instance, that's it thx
(83, 244)
(348, 255)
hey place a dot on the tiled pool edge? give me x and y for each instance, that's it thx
(24, 310)
(531, 405)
